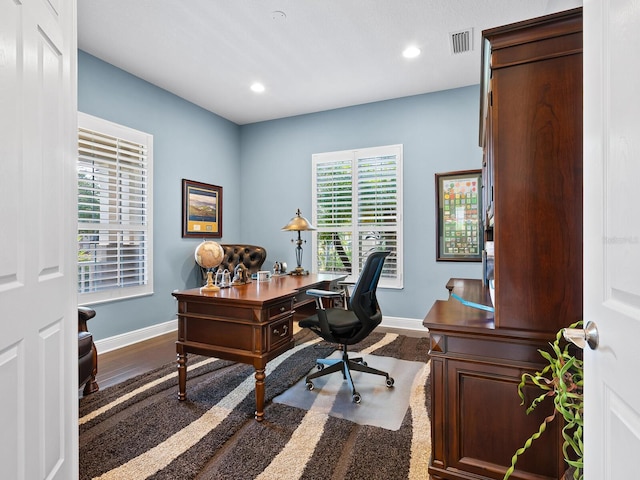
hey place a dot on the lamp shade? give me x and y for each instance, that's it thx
(298, 224)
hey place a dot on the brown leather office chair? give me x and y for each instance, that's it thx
(87, 353)
(251, 256)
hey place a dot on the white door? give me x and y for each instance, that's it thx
(612, 237)
(38, 317)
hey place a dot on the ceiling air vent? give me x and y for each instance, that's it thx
(461, 42)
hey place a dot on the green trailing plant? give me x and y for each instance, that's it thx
(562, 381)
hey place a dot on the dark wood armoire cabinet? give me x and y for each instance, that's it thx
(531, 135)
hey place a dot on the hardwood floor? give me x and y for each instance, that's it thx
(127, 362)
(121, 364)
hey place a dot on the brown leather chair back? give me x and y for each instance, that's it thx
(252, 256)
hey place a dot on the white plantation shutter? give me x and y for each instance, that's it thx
(332, 216)
(114, 211)
(357, 208)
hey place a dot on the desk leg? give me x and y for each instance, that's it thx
(182, 375)
(260, 376)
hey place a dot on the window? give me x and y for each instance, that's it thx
(357, 208)
(114, 211)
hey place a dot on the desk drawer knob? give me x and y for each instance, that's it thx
(285, 330)
(282, 308)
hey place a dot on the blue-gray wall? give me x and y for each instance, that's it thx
(188, 142)
(265, 171)
(438, 132)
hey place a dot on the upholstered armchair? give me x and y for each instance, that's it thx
(87, 353)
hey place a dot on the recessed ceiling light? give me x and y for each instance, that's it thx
(257, 87)
(411, 52)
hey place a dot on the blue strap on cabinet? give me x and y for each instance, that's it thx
(472, 304)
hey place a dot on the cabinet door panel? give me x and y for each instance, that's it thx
(538, 194)
(489, 424)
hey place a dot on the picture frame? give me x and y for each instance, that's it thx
(201, 209)
(459, 232)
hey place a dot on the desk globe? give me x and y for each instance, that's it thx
(209, 255)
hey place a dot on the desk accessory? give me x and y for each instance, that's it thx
(209, 255)
(298, 224)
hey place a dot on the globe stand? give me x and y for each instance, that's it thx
(210, 286)
(209, 255)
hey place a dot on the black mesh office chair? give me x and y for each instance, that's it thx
(350, 324)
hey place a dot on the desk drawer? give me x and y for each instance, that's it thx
(279, 332)
(281, 308)
(302, 299)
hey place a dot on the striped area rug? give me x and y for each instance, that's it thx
(139, 430)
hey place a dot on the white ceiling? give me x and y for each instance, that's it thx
(321, 55)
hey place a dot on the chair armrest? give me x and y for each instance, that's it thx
(315, 292)
(331, 295)
(84, 314)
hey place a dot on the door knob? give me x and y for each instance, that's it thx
(582, 336)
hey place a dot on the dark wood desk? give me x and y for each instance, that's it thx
(250, 323)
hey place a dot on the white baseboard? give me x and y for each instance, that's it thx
(118, 341)
(401, 323)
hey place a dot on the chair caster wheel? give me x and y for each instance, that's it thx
(309, 386)
(390, 382)
(356, 398)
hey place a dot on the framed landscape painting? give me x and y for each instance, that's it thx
(458, 230)
(201, 210)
